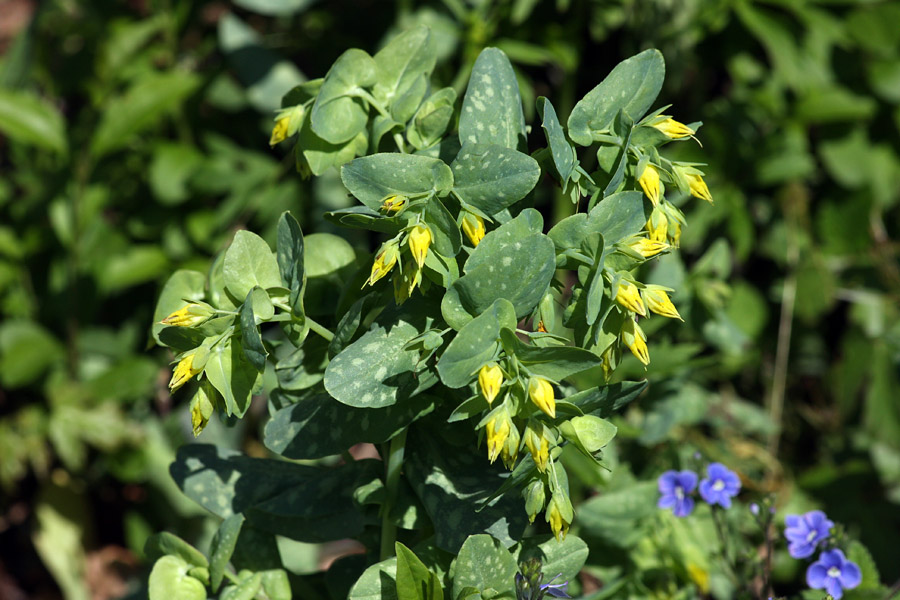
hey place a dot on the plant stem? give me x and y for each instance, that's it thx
(723, 541)
(320, 330)
(398, 139)
(393, 466)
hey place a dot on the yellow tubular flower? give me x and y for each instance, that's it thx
(698, 187)
(184, 370)
(384, 262)
(394, 203)
(510, 450)
(675, 234)
(628, 296)
(633, 337)
(496, 436)
(490, 378)
(673, 129)
(541, 393)
(658, 301)
(406, 282)
(648, 248)
(189, 316)
(657, 225)
(559, 515)
(280, 131)
(473, 227)
(649, 181)
(538, 445)
(419, 241)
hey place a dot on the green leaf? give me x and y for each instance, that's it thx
(859, 554)
(414, 580)
(631, 86)
(446, 239)
(251, 341)
(491, 177)
(618, 216)
(606, 400)
(308, 504)
(222, 547)
(171, 169)
(27, 118)
(376, 370)
(229, 371)
(511, 266)
(320, 426)
(169, 579)
(407, 59)
(246, 589)
(372, 178)
(588, 433)
(560, 149)
(615, 517)
(492, 108)
(485, 564)
(475, 344)
(320, 155)
(564, 558)
(337, 117)
(455, 484)
(27, 350)
(291, 261)
(249, 262)
(552, 362)
(274, 8)
(378, 582)
(141, 107)
(432, 119)
(164, 543)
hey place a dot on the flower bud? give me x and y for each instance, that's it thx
(184, 370)
(535, 497)
(658, 301)
(394, 203)
(490, 378)
(648, 248)
(497, 431)
(649, 181)
(280, 131)
(384, 261)
(406, 282)
(560, 514)
(636, 341)
(541, 393)
(698, 187)
(510, 450)
(538, 444)
(657, 225)
(202, 406)
(629, 297)
(473, 227)
(190, 315)
(673, 129)
(419, 241)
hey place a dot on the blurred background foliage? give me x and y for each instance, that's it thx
(133, 142)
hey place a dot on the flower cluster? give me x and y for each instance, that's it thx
(832, 572)
(719, 487)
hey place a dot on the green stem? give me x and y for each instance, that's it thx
(320, 330)
(398, 139)
(723, 540)
(393, 466)
(361, 93)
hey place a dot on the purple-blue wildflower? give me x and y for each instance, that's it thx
(805, 532)
(674, 487)
(833, 573)
(720, 486)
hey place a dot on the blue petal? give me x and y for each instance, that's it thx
(687, 480)
(816, 575)
(851, 576)
(833, 587)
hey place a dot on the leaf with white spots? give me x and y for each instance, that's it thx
(378, 582)
(552, 362)
(483, 563)
(376, 370)
(560, 149)
(475, 344)
(631, 86)
(319, 426)
(491, 177)
(492, 108)
(372, 178)
(563, 558)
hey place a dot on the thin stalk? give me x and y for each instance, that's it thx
(319, 330)
(723, 541)
(393, 466)
(782, 354)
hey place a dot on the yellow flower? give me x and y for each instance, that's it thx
(628, 296)
(538, 445)
(419, 241)
(607, 359)
(673, 129)
(384, 262)
(649, 181)
(280, 131)
(190, 315)
(184, 370)
(658, 301)
(657, 225)
(698, 187)
(700, 576)
(394, 203)
(406, 282)
(510, 450)
(634, 338)
(675, 234)
(202, 407)
(490, 378)
(560, 515)
(473, 227)
(496, 436)
(648, 248)
(541, 393)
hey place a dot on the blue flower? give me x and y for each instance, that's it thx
(720, 486)
(805, 532)
(557, 590)
(834, 573)
(675, 487)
